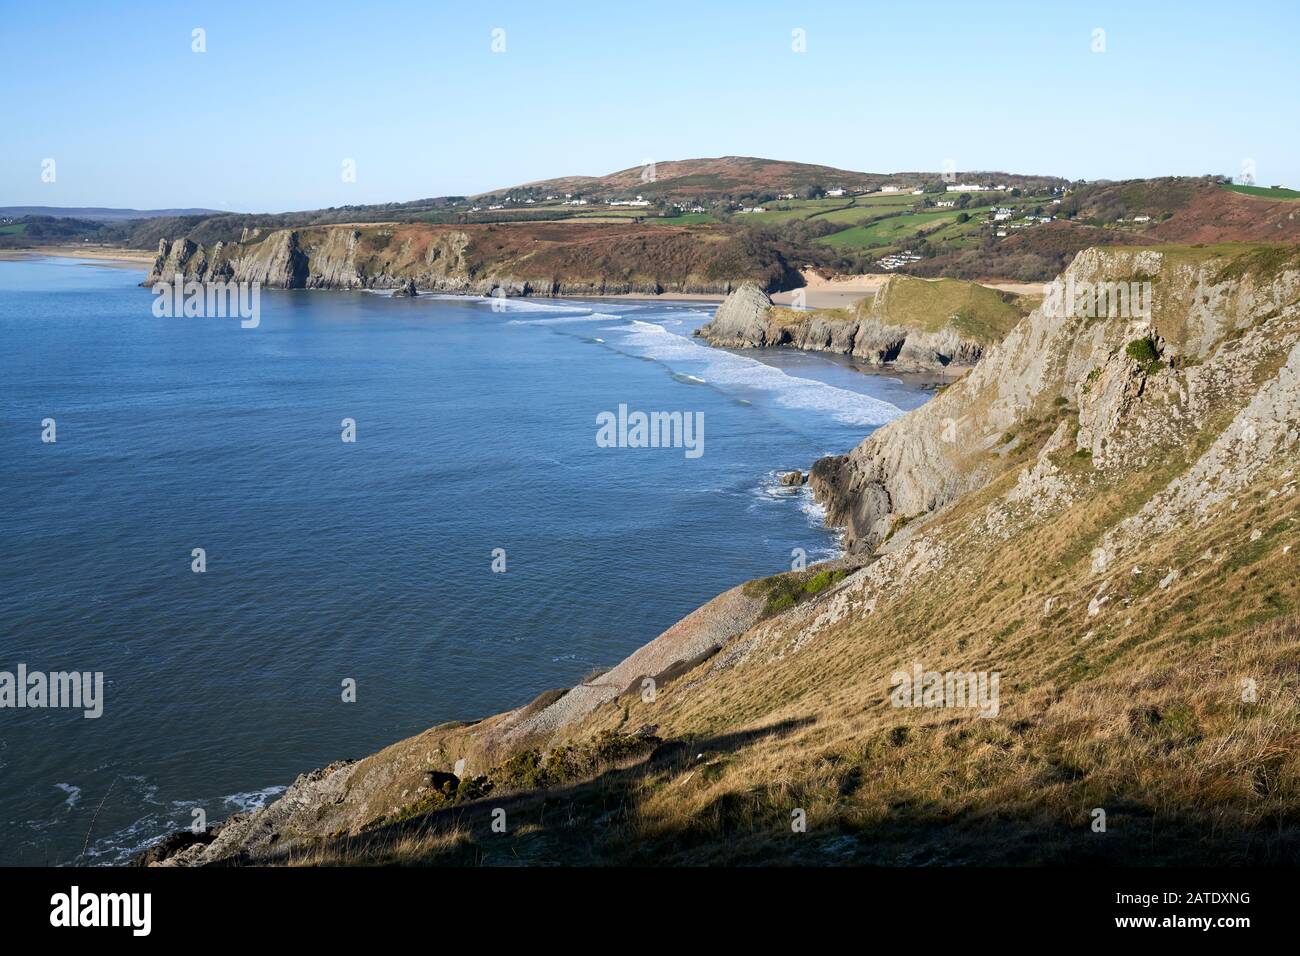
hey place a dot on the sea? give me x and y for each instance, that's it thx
(283, 545)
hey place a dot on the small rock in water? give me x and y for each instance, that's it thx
(406, 290)
(793, 478)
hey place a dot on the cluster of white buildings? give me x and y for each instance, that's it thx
(898, 259)
(638, 201)
(975, 188)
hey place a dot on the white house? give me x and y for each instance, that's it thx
(966, 188)
(889, 189)
(835, 193)
(1001, 214)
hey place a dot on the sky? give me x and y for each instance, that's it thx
(432, 98)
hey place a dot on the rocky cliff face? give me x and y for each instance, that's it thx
(1053, 360)
(1105, 512)
(879, 331)
(546, 259)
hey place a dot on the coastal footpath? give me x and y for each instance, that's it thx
(909, 324)
(533, 259)
(1102, 515)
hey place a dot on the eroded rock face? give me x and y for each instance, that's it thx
(276, 262)
(926, 458)
(392, 256)
(741, 320)
(746, 319)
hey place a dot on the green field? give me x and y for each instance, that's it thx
(1266, 192)
(13, 229)
(885, 231)
(852, 209)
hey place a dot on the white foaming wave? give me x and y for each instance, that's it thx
(565, 319)
(727, 369)
(510, 304)
(252, 799)
(73, 792)
(117, 848)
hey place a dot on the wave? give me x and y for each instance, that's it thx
(508, 303)
(117, 848)
(73, 792)
(728, 370)
(565, 319)
(252, 799)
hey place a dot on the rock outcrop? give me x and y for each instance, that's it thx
(910, 324)
(924, 460)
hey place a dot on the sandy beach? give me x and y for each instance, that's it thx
(102, 255)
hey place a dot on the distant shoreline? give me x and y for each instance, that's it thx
(102, 255)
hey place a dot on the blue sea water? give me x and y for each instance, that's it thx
(370, 561)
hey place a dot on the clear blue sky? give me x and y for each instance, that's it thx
(414, 94)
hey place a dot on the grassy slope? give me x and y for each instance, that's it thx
(1265, 191)
(977, 312)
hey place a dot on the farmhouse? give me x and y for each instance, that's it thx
(835, 193)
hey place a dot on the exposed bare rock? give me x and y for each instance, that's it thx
(925, 459)
(741, 320)
(871, 331)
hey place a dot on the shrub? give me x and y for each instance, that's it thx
(1144, 352)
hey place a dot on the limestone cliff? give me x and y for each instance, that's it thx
(910, 324)
(541, 259)
(1053, 360)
